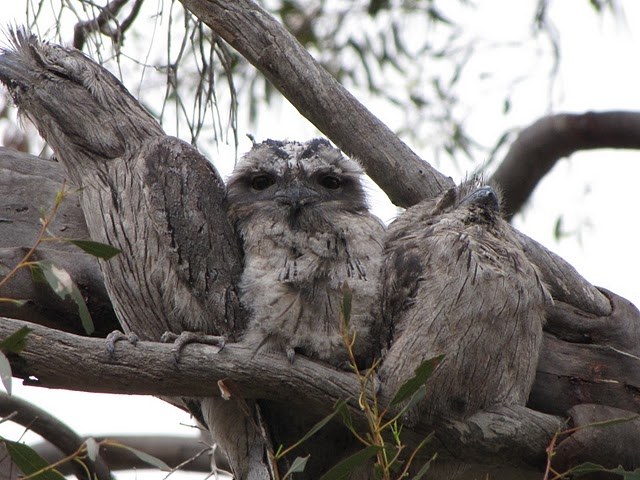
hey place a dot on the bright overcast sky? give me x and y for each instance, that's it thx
(595, 192)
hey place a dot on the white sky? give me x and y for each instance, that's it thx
(595, 192)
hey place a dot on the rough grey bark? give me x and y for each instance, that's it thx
(48, 353)
(474, 443)
(152, 196)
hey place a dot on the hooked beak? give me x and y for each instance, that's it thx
(296, 195)
(484, 196)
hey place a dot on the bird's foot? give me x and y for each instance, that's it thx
(185, 338)
(117, 336)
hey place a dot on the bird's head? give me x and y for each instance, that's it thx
(299, 181)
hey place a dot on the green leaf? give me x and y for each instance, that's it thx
(145, 457)
(5, 372)
(341, 470)
(60, 281)
(415, 398)
(313, 430)
(100, 250)
(422, 472)
(30, 462)
(422, 374)
(557, 229)
(17, 303)
(15, 342)
(585, 468)
(297, 466)
(342, 408)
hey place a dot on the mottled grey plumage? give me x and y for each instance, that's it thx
(301, 212)
(456, 282)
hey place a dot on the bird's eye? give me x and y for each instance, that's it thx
(330, 182)
(262, 182)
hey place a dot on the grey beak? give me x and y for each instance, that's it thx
(296, 195)
(485, 196)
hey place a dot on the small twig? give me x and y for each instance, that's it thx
(46, 221)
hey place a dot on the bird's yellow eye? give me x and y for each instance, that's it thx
(262, 182)
(330, 182)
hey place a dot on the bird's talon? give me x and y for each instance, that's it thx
(117, 336)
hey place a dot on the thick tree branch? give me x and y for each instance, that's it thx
(46, 358)
(539, 146)
(320, 98)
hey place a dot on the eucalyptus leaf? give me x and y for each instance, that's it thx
(100, 250)
(61, 283)
(15, 342)
(313, 430)
(297, 466)
(412, 385)
(15, 302)
(145, 457)
(343, 469)
(587, 467)
(29, 462)
(5, 372)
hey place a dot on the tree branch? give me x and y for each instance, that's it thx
(52, 430)
(48, 353)
(539, 146)
(172, 450)
(320, 98)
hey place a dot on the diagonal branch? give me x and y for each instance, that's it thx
(51, 429)
(321, 99)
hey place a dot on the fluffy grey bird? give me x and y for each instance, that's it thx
(456, 282)
(301, 211)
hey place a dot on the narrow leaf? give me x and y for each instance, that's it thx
(15, 342)
(15, 302)
(30, 462)
(317, 427)
(345, 413)
(342, 469)
(422, 374)
(297, 466)
(422, 472)
(608, 423)
(60, 281)
(5, 372)
(415, 398)
(83, 311)
(145, 457)
(100, 250)
(585, 468)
